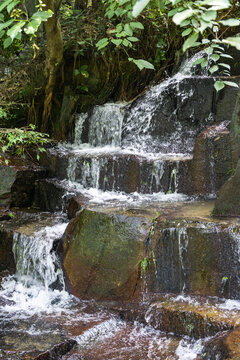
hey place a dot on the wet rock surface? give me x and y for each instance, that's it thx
(174, 266)
(101, 254)
(6, 256)
(181, 315)
(212, 159)
(17, 181)
(227, 203)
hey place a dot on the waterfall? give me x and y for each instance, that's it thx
(104, 123)
(37, 271)
(139, 148)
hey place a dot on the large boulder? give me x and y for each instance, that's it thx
(101, 254)
(228, 202)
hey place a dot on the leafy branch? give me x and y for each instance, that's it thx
(18, 141)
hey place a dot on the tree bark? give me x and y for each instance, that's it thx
(80, 4)
(54, 56)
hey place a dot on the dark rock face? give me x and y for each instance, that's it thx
(17, 182)
(197, 258)
(228, 202)
(212, 159)
(49, 196)
(6, 256)
(173, 108)
(101, 254)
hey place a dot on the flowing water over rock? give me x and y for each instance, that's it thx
(142, 238)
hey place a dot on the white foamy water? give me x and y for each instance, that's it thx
(189, 351)
(37, 270)
(230, 305)
(115, 198)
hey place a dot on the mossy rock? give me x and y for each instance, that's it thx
(101, 254)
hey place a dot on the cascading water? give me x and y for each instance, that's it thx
(37, 271)
(124, 155)
(136, 153)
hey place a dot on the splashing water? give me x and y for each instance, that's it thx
(37, 272)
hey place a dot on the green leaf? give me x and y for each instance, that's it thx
(204, 25)
(122, 2)
(233, 41)
(116, 41)
(12, 5)
(198, 61)
(209, 15)
(186, 32)
(6, 24)
(110, 14)
(32, 26)
(215, 57)
(76, 72)
(119, 28)
(183, 15)
(173, 12)
(139, 6)
(185, 23)
(213, 69)
(136, 25)
(15, 29)
(132, 39)
(225, 66)
(230, 22)
(231, 83)
(42, 15)
(204, 63)
(102, 43)
(190, 41)
(226, 56)
(219, 85)
(141, 64)
(217, 4)
(128, 29)
(5, 4)
(7, 42)
(205, 41)
(126, 42)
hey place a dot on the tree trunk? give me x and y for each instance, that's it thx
(54, 56)
(80, 4)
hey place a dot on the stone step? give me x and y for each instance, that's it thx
(183, 250)
(122, 172)
(195, 317)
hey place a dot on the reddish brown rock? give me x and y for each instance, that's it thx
(76, 203)
(101, 254)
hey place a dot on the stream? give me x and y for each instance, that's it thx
(123, 157)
